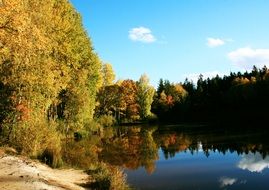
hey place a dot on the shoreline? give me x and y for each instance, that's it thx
(19, 172)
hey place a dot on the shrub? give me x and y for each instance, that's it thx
(36, 139)
(108, 178)
(106, 120)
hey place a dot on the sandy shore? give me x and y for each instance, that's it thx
(21, 173)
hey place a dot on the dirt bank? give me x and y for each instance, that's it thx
(21, 173)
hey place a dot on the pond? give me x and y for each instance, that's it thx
(191, 157)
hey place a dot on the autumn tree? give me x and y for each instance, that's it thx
(129, 103)
(26, 65)
(47, 65)
(145, 93)
(108, 101)
(108, 74)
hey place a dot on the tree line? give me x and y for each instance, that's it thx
(126, 100)
(236, 97)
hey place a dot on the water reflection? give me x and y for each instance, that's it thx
(132, 148)
(227, 181)
(254, 162)
(135, 147)
(190, 158)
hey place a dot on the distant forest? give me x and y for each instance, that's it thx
(240, 97)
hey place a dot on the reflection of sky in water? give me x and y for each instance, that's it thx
(227, 181)
(187, 171)
(254, 162)
(197, 171)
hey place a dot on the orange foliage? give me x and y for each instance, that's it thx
(24, 112)
(129, 99)
(170, 100)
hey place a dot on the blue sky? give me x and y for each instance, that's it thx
(175, 39)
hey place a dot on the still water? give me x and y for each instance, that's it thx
(191, 157)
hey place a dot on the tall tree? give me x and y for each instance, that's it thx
(45, 51)
(108, 74)
(145, 93)
(160, 87)
(129, 101)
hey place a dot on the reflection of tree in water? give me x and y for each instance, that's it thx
(87, 149)
(134, 148)
(172, 143)
(244, 143)
(241, 141)
(148, 150)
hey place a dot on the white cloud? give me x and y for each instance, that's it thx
(253, 162)
(195, 76)
(247, 57)
(141, 34)
(226, 181)
(215, 42)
